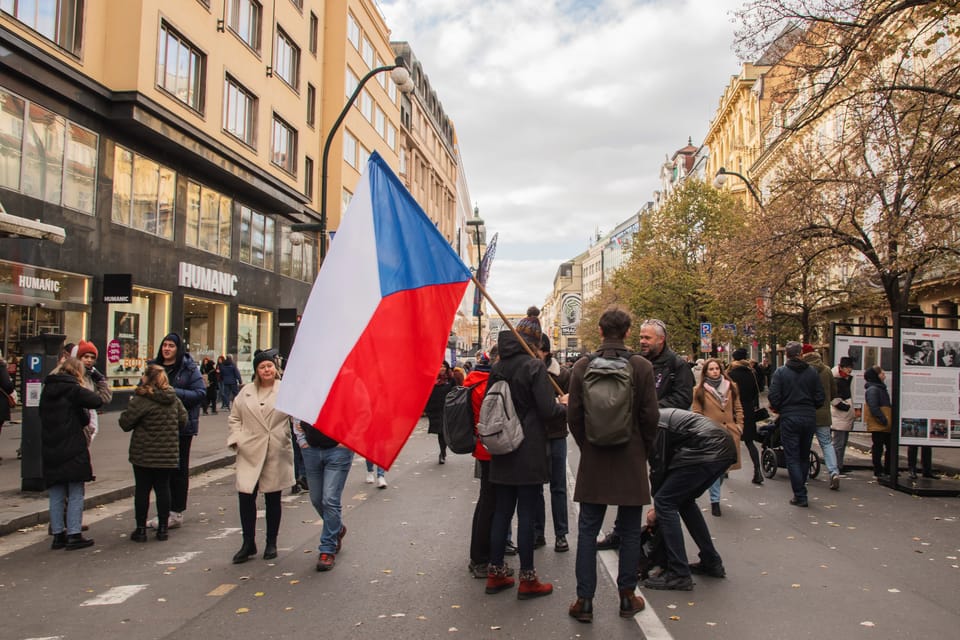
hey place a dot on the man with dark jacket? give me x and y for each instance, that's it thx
(674, 382)
(557, 441)
(795, 394)
(745, 376)
(612, 475)
(824, 414)
(185, 378)
(690, 453)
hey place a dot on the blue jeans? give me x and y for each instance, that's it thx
(380, 471)
(229, 392)
(715, 490)
(558, 491)
(327, 471)
(840, 439)
(676, 499)
(796, 435)
(591, 519)
(71, 495)
(825, 438)
(523, 499)
(298, 471)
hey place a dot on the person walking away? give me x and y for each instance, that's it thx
(795, 394)
(517, 476)
(260, 436)
(327, 463)
(690, 452)
(557, 441)
(878, 417)
(824, 413)
(434, 409)
(612, 475)
(208, 370)
(745, 376)
(65, 406)
(230, 381)
(717, 398)
(841, 409)
(154, 417)
(674, 380)
(184, 376)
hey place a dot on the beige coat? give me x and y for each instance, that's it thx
(729, 417)
(260, 436)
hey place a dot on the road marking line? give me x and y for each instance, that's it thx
(183, 558)
(224, 533)
(222, 590)
(649, 622)
(115, 595)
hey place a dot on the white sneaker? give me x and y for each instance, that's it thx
(152, 523)
(382, 482)
(369, 477)
(175, 521)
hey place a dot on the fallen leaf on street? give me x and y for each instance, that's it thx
(674, 617)
(453, 629)
(454, 606)
(421, 617)
(893, 590)
(258, 594)
(294, 582)
(495, 628)
(671, 606)
(398, 615)
(387, 571)
(288, 608)
(795, 585)
(711, 624)
(161, 599)
(243, 610)
(866, 623)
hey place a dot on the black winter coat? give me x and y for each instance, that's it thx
(7, 385)
(674, 380)
(743, 374)
(535, 401)
(435, 402)
(685, 439)
(796, 390)
(64, 412)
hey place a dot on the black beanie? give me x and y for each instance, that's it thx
(263, 356)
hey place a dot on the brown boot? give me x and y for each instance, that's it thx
(630, 603)
(582, 610)
(498, 579)
(531, 587)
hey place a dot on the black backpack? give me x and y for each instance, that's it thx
(458, 420)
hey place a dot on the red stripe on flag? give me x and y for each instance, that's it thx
(384, 383)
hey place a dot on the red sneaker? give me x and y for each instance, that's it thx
(326, 561)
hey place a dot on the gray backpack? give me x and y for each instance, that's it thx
(608, 401)
(499, 428)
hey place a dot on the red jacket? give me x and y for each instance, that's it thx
(478, 378)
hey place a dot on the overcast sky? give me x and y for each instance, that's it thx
(565, 110)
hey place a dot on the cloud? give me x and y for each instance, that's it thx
(565, 111)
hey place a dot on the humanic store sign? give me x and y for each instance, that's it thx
(211, 280)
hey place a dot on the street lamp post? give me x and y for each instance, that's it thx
(477, 222)
(401, 78)
(721, 179)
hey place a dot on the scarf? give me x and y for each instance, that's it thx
(720, 388)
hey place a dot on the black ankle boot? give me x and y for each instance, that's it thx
(270, 551)
(247, 549)
(162, 531)
(59, 540)
(757, 477)
(139, 535)
(77, 541)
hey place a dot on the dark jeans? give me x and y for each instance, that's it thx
(210, 402)
(880, 449)
(298, 469)
(558, 492)
(926, 459)
(591, 519)
(840, 439)
(149, 479)
(676, 499)
(482, 517)
(180, 478)
(248, 514)
(523, 499)
(796, 435)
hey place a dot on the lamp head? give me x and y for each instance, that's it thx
(720, 179)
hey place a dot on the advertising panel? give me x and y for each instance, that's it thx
(930, 387)
(865, 352)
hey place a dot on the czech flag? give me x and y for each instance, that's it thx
(375, 327)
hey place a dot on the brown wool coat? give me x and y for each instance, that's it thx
(615, 475)
(729, 417)
(260, 436)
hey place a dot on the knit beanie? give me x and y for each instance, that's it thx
(807, 348)
(263, 356)
(529, 328)
(85, 347)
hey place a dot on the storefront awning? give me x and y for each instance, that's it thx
(16, 227)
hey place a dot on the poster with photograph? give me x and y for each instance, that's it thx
(865, 352)
(929, 387)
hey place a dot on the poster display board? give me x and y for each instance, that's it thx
(865, 352)
(929, 390)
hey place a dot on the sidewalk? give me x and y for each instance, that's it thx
(114, 474)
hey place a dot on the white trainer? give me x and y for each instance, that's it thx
(369, 477)
(175, 521)
(382, 482)
(152, 523)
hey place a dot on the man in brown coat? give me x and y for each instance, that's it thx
(612, 475)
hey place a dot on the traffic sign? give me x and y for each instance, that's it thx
(706, 329)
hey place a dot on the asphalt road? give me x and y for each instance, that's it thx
(864, 562)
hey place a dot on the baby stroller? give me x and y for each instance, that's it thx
(771, 455)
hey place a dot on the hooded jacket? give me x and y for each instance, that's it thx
(878, 413)
(155, 420)
(685, 439)
(841, 407)
(185, 378)
(795, 390)
(479, 377)
(813, 358)
(65, 407)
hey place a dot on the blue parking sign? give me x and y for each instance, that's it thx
(706, 329)
(34, 363)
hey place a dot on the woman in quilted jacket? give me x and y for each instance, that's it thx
(155, 416)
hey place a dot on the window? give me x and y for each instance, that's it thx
(308, 177)
(311, 105)
(391, 136)
(349, 148)
(46, 156)
(350, 83)
(245, 17)
(353, 31)
(143, 193)
(391, 89)
(366, 105)
(181, 68)
(256, 238)
(363, 155)
(283, 152)
(380, 122)
(298, 4)
(208, 220)
(366, 50)
(314, 31)
(298, 260)
(60, 21)
(345, 198)
(287, 61)
(239, 111)
(381, 77)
